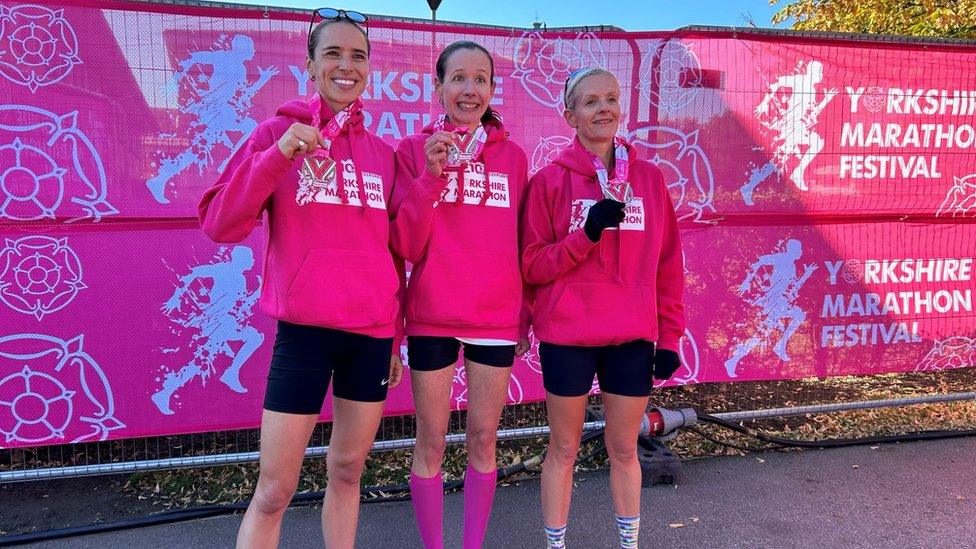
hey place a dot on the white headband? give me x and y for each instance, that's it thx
(574, 79)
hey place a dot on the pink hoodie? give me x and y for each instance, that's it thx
(628, 285)
(328, 261)
(466, 280)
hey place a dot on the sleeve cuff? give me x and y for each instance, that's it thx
(669, 342)
(272, 159)
(579, 245)
(430, 185)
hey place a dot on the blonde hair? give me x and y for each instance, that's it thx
(573, 80)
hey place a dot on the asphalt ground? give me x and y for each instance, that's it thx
(920, 494)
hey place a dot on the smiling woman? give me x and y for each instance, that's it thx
(338, 60)
(465, 290)
(599, 237)
(325, 225)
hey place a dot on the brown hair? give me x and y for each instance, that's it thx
(313, 37)
(441, 66)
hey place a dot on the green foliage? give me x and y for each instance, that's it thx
(937, 18)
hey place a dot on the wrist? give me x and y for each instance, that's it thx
(593, 232)
(432, 185)
(286, 151)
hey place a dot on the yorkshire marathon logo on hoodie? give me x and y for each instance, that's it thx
(474, 187)
(327, 192)
(633, 215)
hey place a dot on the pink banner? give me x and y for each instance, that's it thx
(826, 191)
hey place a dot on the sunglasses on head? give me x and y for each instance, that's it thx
(332, 14)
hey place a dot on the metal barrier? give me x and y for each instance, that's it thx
(520, 421)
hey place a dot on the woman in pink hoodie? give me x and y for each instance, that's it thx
(600, 247)
(461, 235)
(329, 278)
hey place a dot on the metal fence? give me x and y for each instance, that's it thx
(744, 401)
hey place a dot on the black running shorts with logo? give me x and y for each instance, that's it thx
(429, 353)
(306, 358)
(626, 369)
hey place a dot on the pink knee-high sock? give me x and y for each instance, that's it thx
(479, 491)
(427, 495)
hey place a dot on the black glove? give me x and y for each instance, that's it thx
(666, 363)
(604, 214)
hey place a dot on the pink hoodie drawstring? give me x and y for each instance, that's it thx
(359, 176)
(484, 162)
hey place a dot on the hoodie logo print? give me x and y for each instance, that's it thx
(474, 187)
(326, 190)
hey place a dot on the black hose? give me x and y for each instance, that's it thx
(165, 517)
(835, 442)
(710, 438)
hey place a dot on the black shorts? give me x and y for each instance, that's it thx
(307, 357)
(625, 369)
(426, 353)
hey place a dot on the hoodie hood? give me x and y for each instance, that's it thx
(299, 110)
(577, 159)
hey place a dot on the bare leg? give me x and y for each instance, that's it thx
(487, 392)
(283, 441)
(432, 401)
(566, 424)
(623, 415)
(353, 432)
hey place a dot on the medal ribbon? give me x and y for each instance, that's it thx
(617, 188)
(334, 126)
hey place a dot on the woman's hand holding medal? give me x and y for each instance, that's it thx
(437, 148)
(620, 191)
(300, 139)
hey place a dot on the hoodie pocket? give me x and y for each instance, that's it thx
(477, 290)
(602, 313)
(344, 289)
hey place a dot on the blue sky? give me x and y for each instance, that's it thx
(626, 14)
